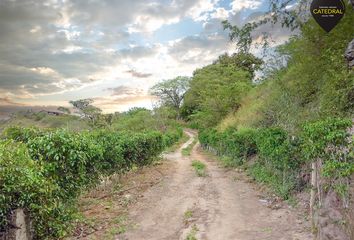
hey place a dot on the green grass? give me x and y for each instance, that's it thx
(192, 233)
(175, 146)
(188, 214)
(121, 225)
(188, 150)
(199, 168)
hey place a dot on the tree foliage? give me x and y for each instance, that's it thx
(171, 92)
(217, 89)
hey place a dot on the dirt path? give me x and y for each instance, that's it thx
(216, 207)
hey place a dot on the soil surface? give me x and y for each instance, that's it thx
(218, 206)
(171, 201)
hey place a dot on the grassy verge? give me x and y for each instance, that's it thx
(192, 234)
(175, 146)
(199, 168)
(188, 150)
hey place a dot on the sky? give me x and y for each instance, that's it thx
(113, 51)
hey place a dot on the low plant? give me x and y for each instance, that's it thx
(199, 167)
(188, 150)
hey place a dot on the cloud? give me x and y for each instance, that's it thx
(139, 74)
(238, 5)
(8, 101)
(58, 50)
(220, 13)
(199, 49)
(108, 104)
(125, 90)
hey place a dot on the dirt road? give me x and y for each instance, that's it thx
(217, 206)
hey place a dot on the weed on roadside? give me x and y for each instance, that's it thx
(188, 150)
(199, 168)
(192, 233)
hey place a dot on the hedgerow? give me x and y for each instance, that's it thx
(239, 145)
(24, 185)
(329, 140)
(45, 171)
(280, 157)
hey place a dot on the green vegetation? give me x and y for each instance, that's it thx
(291, 129)
(45, 120)
(199, 167)
(188, 150)
(291, 124)
(217, 89)
(45, 170)
(192, 233)
(299, 111)
(188, 214)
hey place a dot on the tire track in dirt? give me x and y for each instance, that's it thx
(214, 207)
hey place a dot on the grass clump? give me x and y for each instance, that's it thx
(192, 233)
(199, 167)
(188, 150)
(188, 214)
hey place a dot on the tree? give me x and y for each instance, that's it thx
(244, 61)
(87, 110)
(85, 107)
(215, 90)
(291, 14)
(171, 92)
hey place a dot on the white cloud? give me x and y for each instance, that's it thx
(238, 5)
(220, 13)
(70, 49)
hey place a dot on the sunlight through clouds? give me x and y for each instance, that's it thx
(66, 49)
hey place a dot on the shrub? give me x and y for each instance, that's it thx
(72, 160)
(23, 185)
(278, 161)
(329, 140)
(21, 134)
(112, 150)
(239, 145)
(171, 136)
(45, 171)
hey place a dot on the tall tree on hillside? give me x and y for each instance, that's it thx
(291, 14)
(87, 110)
(243, 61)
(171, 92)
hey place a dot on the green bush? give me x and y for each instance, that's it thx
(72, 160)
(141, 148)
(171, 136)
(45, 171)
(329, 140)
(278, 161)
(21, 134)
(23, 185)
(239, 145)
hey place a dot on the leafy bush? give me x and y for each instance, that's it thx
(45, 171)
(171, 136)
(278, 157)
(21, 134)
(329, 140)
(232, 143)
(72, 160)
(23, 185)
